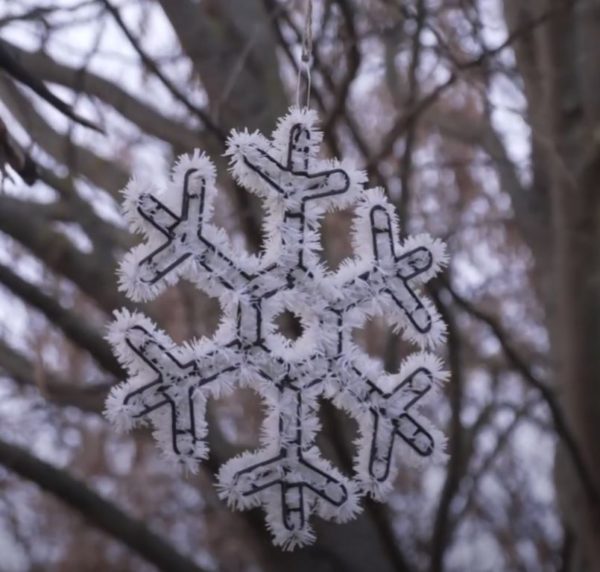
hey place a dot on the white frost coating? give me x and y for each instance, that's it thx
(168, 385)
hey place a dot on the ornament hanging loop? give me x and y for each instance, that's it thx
(306, 57)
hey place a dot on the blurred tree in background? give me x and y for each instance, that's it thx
(481, 118)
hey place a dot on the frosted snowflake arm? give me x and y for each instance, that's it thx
(388, 274)
(288, 475)
(386, 409)
(179, 235)
(255, 167)
(418, 260)
(166, 387)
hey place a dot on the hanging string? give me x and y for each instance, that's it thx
(306, 56)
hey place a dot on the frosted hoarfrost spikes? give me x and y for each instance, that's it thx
(169, 385)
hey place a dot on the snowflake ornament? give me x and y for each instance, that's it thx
(169, 384)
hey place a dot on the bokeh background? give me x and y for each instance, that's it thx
(481, 118)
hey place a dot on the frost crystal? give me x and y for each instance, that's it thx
(169, 385)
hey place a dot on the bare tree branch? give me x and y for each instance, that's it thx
(100, 512)
(391, 548)
(104, 235)
(213, 34)
(421, 106)
(409, 140)
(11, 153)
(353, 64)
(19, 72)
(88, 398)
(486, 464)
(146, 117)
(73, 326)
(562, 428)
(442, 529)
(151, 65)
(19, 220)
(103, 173)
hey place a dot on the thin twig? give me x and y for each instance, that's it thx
(560, 423)
(353, 64)
(409, 141)
(153, 67)
(460, 68)
(442, 529)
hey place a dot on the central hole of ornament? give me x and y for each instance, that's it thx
(289, 325)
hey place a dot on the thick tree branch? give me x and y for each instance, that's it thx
(151, 65)
(24, 76)
(73, 326)
(97, 510)
(88, 398)
(146, 117)
(21, 222)
(104, 235)
(213, 34)
(103, 173)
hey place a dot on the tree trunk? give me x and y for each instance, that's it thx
(559, 74)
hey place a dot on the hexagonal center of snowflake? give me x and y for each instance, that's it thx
(291, 326)
(288, 325)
